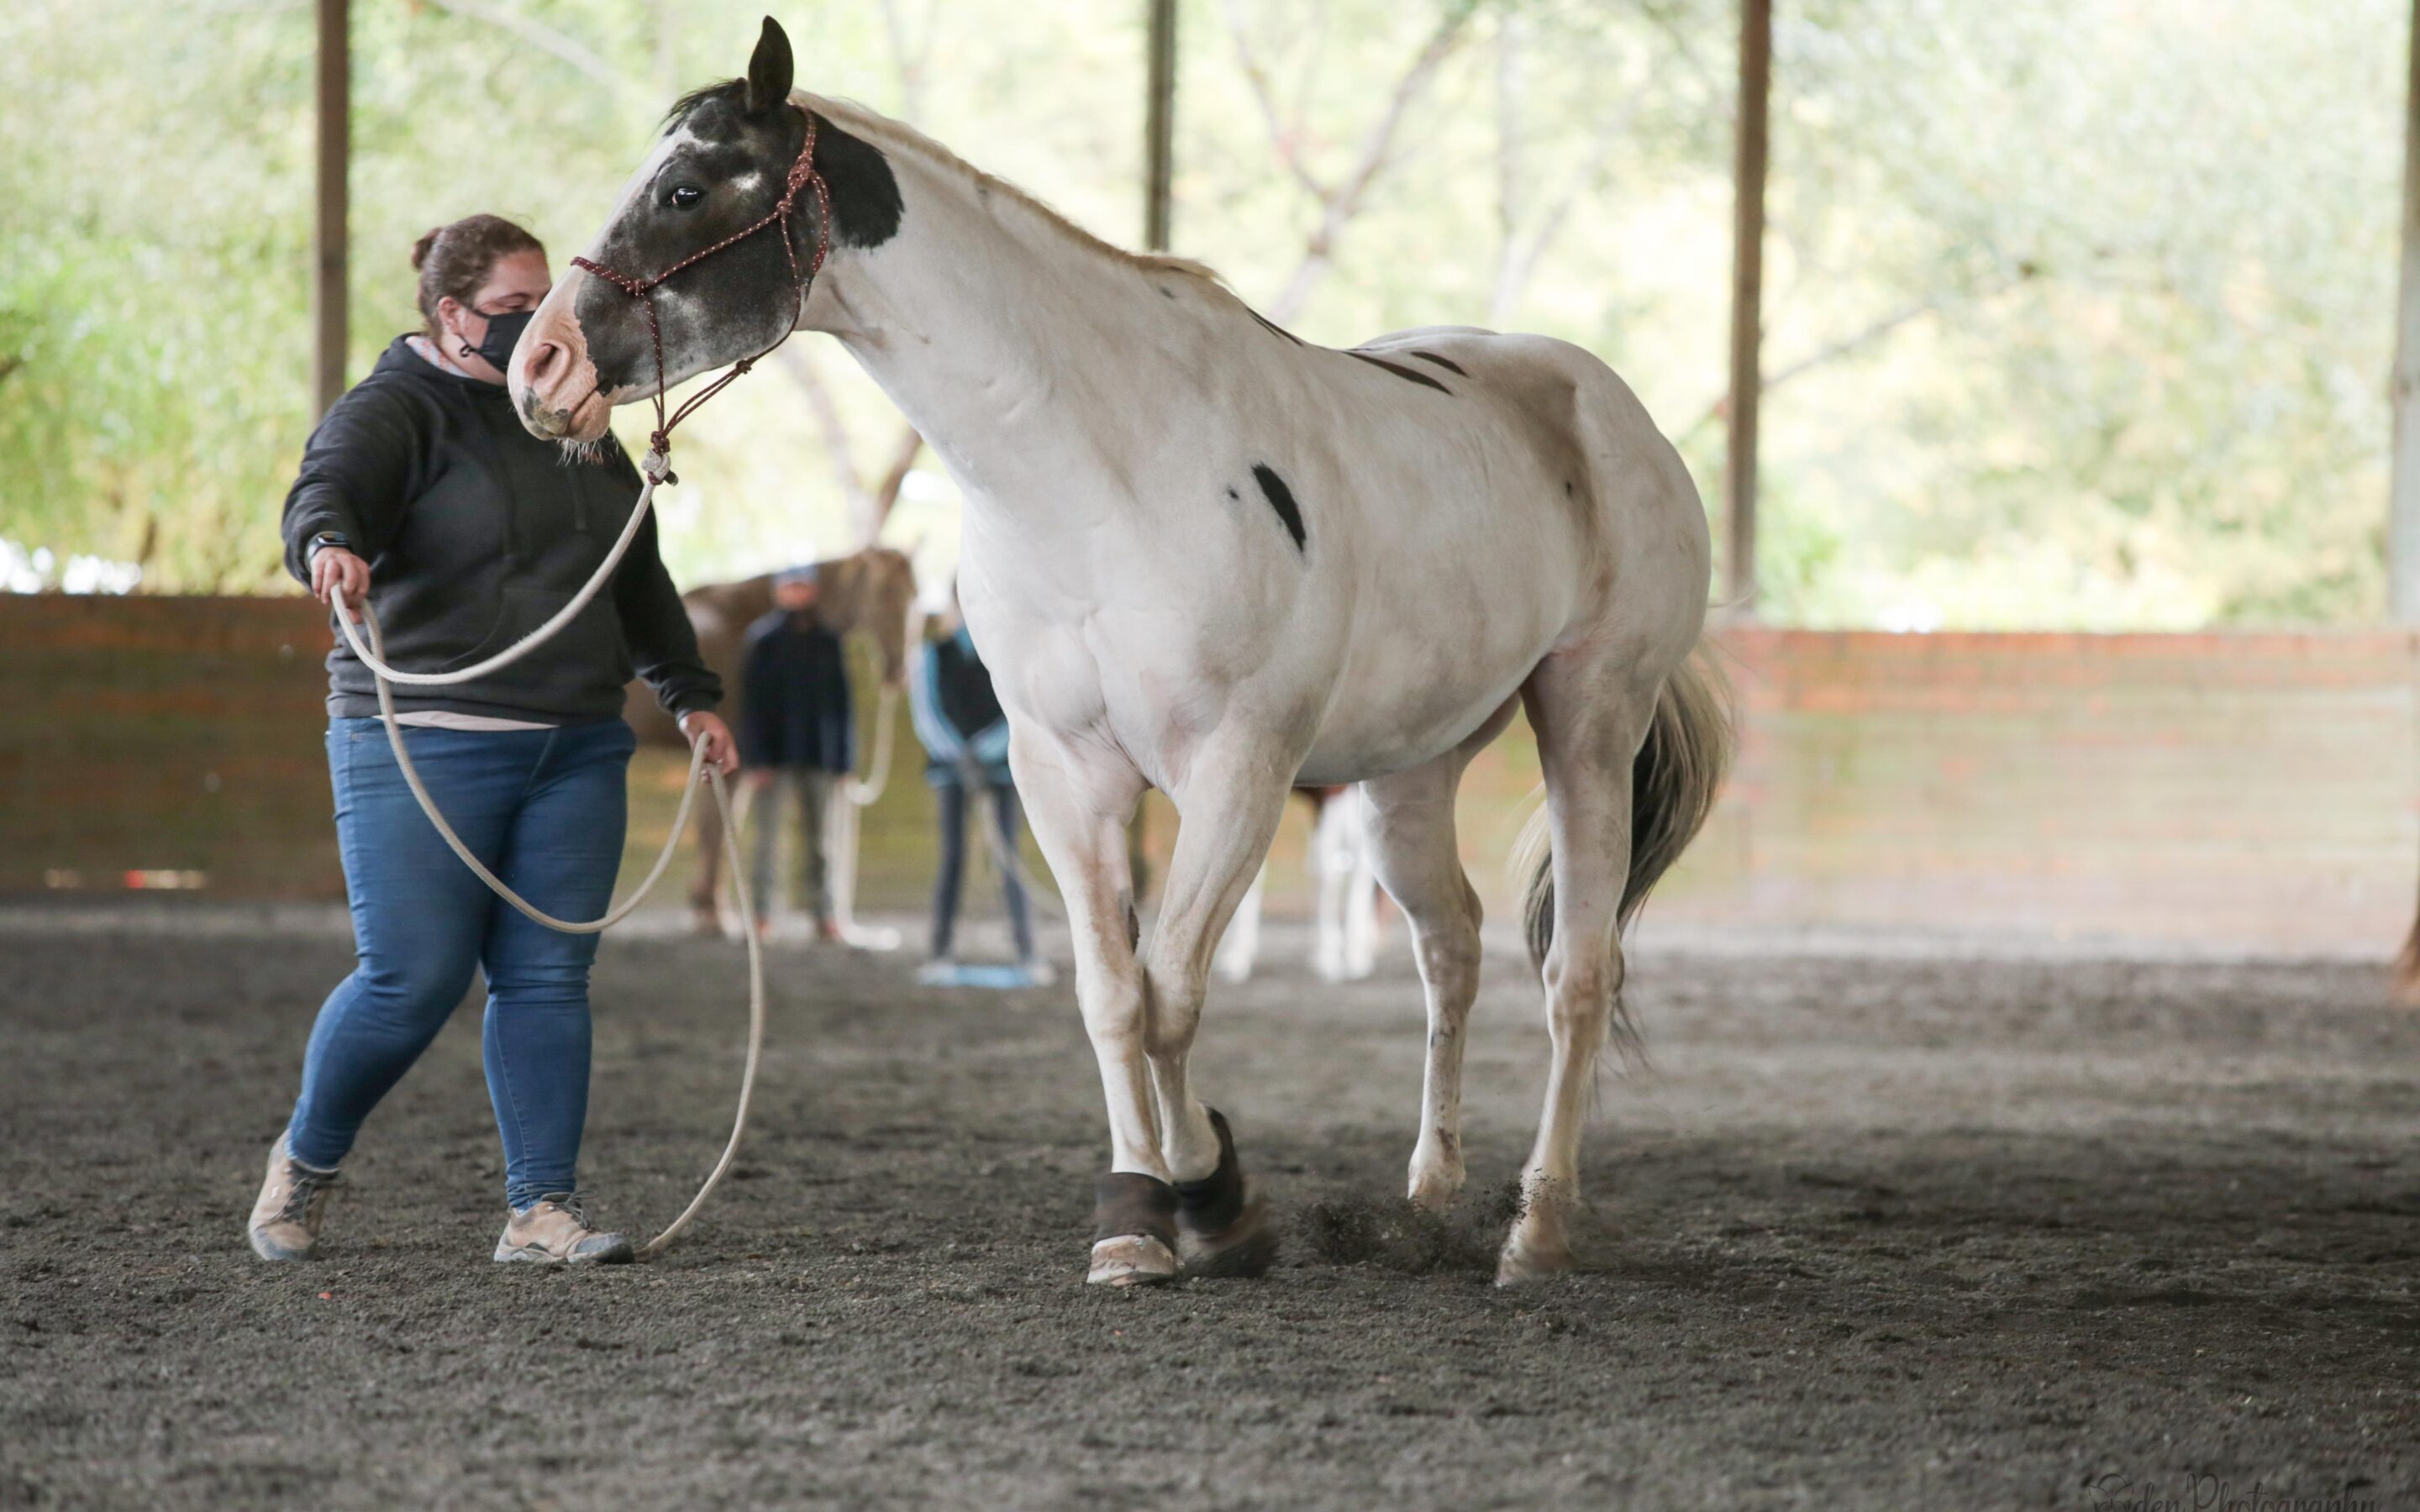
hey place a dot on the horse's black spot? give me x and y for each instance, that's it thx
(1402, 372)
(1446, 363)
(1169, 292)
(1567, 487)
(1267, 324)
(1281, 500)
(865, 204)
(1232, 494)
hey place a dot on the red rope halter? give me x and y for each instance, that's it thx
(803, 174)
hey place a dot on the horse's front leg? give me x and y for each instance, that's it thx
(1234, 794)
(1077, 798)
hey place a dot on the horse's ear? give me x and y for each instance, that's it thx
(768, 72)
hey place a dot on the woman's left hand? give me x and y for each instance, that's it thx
(709, 732)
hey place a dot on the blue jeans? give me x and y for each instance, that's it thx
(545, 810)
(951, 799)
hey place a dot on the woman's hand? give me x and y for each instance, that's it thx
(707, 732)
(334, 567)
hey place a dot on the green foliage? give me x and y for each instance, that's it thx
(2078, 310)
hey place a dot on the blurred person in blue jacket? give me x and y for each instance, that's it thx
(965, 735)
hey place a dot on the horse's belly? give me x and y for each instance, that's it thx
(1448, 622)
(1408, 701)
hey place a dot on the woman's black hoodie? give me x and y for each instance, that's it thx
(476, 532)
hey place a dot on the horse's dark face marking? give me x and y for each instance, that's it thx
(725, 170)
(1281, 500)
(1402, 372)
(722, 165)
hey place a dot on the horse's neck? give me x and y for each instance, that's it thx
(1018, 351)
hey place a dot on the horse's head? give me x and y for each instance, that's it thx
(722, 166)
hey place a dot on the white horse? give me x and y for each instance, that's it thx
(1204, 556)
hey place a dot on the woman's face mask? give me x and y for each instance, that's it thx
(504, 330)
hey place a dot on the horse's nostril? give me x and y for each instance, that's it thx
(542, 362)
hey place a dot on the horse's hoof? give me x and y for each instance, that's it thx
(1524, 1263)
(1222, 1220)
(1436, 1181)
(1246, 1247)
(1134, 1231)
(1131, 1260)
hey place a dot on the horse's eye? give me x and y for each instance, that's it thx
(684, 196)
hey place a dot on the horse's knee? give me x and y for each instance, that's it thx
(1172, 1014)
(1113, 1006)
(1449, 959)
(1580, 991)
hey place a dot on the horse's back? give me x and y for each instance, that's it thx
(1598, 452)
(1553, 513)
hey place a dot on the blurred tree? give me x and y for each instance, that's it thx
(2079, 310)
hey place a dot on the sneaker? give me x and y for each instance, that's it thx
(285, 1221)
(1039, 971)
(554, 1230)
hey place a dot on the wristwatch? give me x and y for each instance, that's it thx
(327, 538)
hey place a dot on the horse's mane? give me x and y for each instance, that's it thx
(864, 120)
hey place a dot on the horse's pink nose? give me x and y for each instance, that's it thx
(546, 360)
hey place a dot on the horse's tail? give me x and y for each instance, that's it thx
(1674, 781)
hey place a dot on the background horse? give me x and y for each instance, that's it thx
(1204, 555)
(869, 590)
(1346, 878)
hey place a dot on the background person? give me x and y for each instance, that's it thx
(421, 490)
(797, 736)
(965, 735)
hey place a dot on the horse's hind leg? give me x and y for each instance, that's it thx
(1410, 842)
(1241, 948)
(1590, 717)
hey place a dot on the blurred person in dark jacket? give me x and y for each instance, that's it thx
(797, 734)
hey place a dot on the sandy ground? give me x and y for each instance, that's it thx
(1915, 1230)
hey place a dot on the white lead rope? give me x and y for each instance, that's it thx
(372, 657)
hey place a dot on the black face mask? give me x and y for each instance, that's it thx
(504, 334)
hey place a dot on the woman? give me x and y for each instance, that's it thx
(422, 491)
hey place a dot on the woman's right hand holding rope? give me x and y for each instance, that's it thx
(332, 566)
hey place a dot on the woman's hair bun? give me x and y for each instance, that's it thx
(455, 259)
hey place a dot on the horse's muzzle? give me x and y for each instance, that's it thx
(551, 378)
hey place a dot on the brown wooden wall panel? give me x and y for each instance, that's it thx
(2252, 789)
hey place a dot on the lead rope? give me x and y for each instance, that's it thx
(656, 469)
(372, 657)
